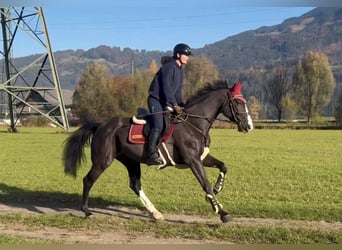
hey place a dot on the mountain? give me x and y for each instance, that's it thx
(72, 63)
(262, 49)
(319, 29)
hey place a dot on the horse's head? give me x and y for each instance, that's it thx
(236, 109)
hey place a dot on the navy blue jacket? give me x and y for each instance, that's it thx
(167, 84)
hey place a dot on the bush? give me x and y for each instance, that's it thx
(35, 121)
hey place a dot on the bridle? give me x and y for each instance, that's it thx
(233, 109)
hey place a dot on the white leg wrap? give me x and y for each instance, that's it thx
(205, 153)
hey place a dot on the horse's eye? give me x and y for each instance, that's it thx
(238, 101)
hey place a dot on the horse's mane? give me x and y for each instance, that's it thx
(209, 87)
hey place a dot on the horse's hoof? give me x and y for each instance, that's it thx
(226, 218)
(86, 212)
(158, 216)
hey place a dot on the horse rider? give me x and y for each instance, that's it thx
(165, 94)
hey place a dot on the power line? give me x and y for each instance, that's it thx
(171, 18)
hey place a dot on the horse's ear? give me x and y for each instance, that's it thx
(236, 89)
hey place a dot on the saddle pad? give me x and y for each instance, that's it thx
(136, 134)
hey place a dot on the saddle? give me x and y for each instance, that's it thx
(140, 127)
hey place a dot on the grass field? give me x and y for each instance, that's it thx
(282, 174)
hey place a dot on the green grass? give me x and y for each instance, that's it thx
(5, 239)
(285, 173)
(291, 174)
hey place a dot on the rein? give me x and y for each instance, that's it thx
(192, 125)
(199, 117)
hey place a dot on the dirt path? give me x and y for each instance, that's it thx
(122, 237)
(92, 237)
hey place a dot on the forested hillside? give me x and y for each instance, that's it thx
(249, 56)
(320, 29)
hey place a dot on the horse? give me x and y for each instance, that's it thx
(187, 147)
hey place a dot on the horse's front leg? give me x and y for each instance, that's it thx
(211, 161)
(197, 168)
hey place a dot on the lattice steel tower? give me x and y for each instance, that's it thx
(32, 87)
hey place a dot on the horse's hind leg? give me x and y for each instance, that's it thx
(103, 152)
(134, 172)
(88, 182)
(211, 161)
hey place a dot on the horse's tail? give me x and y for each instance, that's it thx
(73, 153)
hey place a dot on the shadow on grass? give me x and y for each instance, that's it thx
(45, 202)
(18, 200)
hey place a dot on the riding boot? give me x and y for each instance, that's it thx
(152, 153)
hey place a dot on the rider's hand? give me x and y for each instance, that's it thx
(178, 109)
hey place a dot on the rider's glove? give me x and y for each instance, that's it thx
(178, 109)
(175, 110)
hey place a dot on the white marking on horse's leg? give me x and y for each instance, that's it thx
(149, 206)
(249, 119)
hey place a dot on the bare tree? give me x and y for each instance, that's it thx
(276, 89)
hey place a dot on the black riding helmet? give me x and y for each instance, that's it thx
(183, 49)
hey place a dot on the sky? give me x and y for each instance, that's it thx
(152, 24)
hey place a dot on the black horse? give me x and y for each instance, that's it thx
(188, 145)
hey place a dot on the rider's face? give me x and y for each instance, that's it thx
(184, 58)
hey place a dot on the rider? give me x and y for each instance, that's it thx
(165, 93)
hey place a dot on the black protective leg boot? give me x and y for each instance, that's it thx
(152, 153)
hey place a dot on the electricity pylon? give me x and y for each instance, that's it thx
(32, 88)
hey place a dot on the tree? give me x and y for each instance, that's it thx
(338, 113)
(276, 89)
(198, 72)
(254, 107)
(153, 68)
(313, 84)
(289, 108)
(123, 95)
(141, 85)
(92, 98)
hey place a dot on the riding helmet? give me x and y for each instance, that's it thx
(182, 48)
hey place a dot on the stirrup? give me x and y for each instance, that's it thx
(154, 161)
